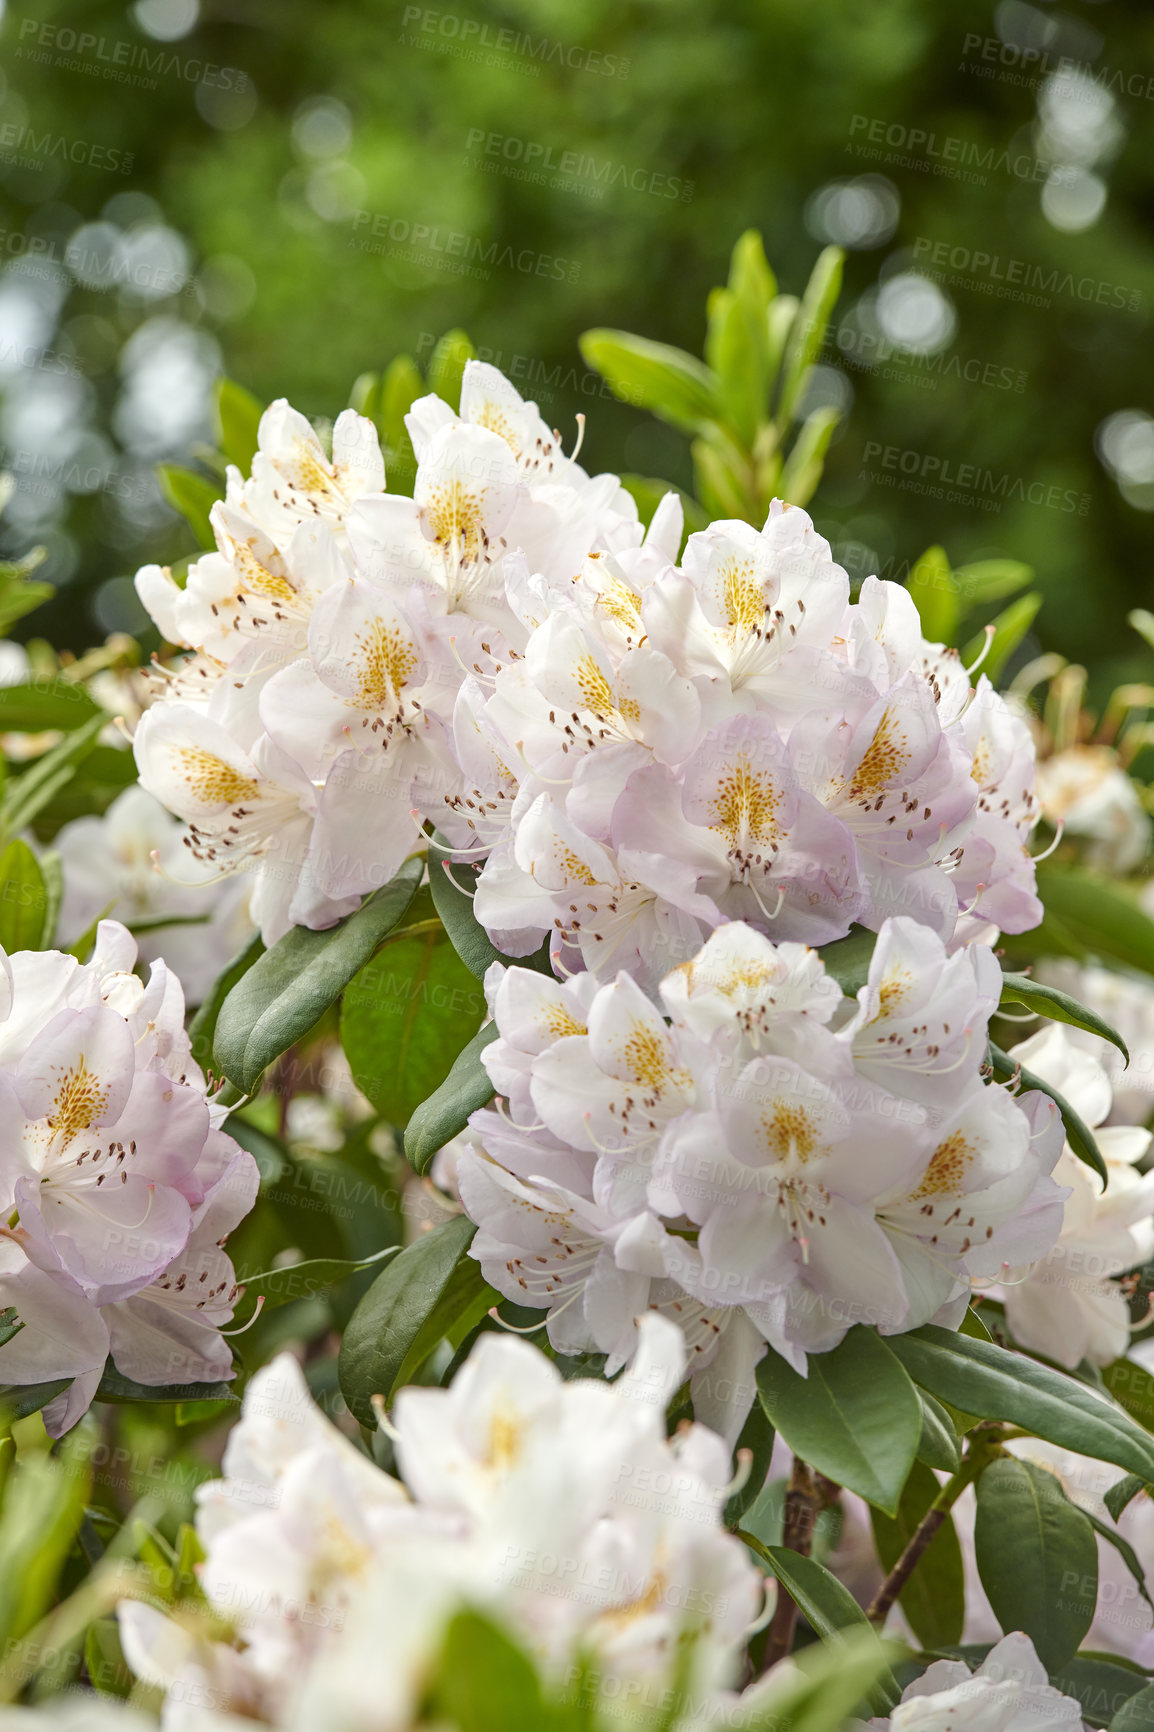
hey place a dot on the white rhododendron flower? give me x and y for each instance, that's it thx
(130, 864)
(1008, 1692)
(119, 1187)
(768, 1167)
(559, 1509)
(1070, 1306)
(635, 750)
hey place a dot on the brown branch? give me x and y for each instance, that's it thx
(807, 1495)
(904, 1568)
(985, 1445)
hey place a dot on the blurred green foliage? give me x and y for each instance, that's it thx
(349, 182)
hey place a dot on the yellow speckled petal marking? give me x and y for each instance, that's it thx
(212, 780)
(946, 1172)
(80, 1100)
(385, 659)
(745, 805)
(885, 758)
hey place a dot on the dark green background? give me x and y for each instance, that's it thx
(753, 104)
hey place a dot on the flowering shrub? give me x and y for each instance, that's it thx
(612, 927)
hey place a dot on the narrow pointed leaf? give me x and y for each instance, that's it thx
(986, 1380)
(1058, 1006)
(445, 1114)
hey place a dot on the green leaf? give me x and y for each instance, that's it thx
(27, 794)
(115, 1387)
(104, 1660)
(737, 345)
(1136, 1715)
(1058, 1006)
(484, 1682)
(446, 1112)
(20, 1400)
(807, 332)
(806, 460)
(986, 1380)
(673, 385)
(1037, 1557)
(42, 705)
(447, 367)
(202, 1028)
(934, 1598)
(238, 415)
(23, 899)
(43, 1509)
(1125, 1551)
(415, 1297)
(1078, 1133)
(17, 595)
(855, 1417)
(52, 873)
(283, 994)
(1132, 1387)
(720, 484)
(1101, 916)
(990, 580)
(938, 1445)
(1123, 1492)
(401, 385)
(1010, 627)
(848, 959)
(404, 1019)
(193, 496)
(1101, 1684)
(757, 1436)
(452, 884)
(826, 1603)
(935, 595)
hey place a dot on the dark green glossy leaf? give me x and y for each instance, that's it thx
(1101, 1684)
(939, 1445)
(387, 1331)
(446, 1112)
(1058, 1006)
(283, 994)
(847, 960)
(1037, 1557)
(1123, 1492)
(405, 1018)
(986, 1380)
(855, 1417)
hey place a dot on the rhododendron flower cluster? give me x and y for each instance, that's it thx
(638, 749)
(559, 1509)
(118, 1184)
(766, 1162)
(331, 631)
